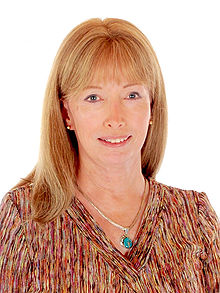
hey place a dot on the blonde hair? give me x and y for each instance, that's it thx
(94, 46)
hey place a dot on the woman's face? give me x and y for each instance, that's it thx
(110, 120)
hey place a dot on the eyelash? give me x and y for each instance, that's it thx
(94, 101)
(134, 93)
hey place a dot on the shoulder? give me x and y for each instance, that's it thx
(15, 219)
(170, 194)
(178, 195)
(15, 253)
(189, 206)
(17, 202)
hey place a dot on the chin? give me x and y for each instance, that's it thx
(115, 159)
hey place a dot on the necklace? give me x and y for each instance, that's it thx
(125, 241)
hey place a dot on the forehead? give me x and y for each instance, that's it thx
(113, 73)
(111, 84)
(108, 69)
(99, 83)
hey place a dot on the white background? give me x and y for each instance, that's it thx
(185, 36)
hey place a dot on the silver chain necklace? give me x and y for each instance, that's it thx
(125, 241)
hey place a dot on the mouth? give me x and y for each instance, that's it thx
(115, 141)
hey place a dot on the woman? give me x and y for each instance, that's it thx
(91, 217)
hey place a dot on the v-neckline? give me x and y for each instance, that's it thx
(90, 228)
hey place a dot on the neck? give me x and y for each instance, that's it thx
(108, 184)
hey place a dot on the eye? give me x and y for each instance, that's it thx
(92, 98)
(133, 96)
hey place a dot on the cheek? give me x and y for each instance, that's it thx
(84, 122)
(142, 114)
(141, 122)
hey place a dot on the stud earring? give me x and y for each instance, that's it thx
(151, 122)
(68, 127)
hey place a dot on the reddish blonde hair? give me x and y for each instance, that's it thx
(107, 48)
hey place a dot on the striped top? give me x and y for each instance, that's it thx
(176, 248)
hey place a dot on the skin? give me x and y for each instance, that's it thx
(111, 177)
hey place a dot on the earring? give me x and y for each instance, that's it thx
(151, 122)
(68, 127)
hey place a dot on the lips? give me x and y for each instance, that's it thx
(115, 141)
(114, 137)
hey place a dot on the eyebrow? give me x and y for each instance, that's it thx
(98, 87)
(131, 84)
(92, 87)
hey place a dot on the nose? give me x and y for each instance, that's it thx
(114, 117)
(114, 124)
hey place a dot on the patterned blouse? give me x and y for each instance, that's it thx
(176, 248)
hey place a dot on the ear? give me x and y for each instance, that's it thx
(67, 115)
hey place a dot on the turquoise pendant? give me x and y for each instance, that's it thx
(126, 242)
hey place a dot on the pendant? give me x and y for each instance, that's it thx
(126, 241)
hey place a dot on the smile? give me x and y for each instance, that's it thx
(115, 141)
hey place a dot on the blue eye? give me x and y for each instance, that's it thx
(133, 96)
(92, 98)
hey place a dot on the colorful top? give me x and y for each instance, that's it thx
(176, 248)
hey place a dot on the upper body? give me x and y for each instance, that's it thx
(176, 248)
(107, 228)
